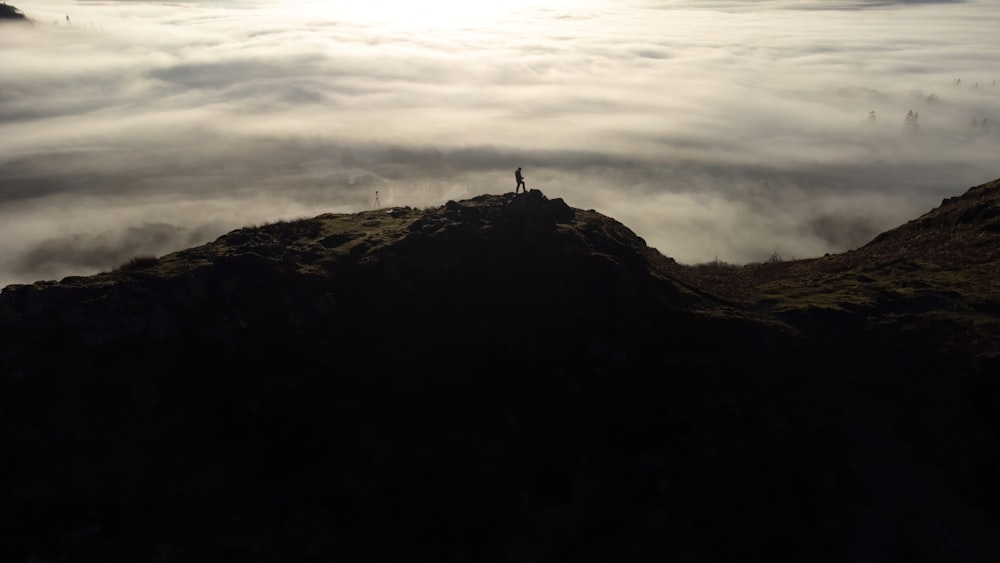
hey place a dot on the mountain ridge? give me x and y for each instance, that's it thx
(506, 378)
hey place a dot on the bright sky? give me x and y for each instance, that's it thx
(432, 13)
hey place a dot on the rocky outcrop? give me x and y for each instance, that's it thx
(288, 275)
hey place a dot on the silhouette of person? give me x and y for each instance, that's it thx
(520, 181)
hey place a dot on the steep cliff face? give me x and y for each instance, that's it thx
(502, 378)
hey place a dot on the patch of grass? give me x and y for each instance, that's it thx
(139, 263)
(292, 228)
(890, 288)
(717, 267)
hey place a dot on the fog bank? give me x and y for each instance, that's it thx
(714, 129)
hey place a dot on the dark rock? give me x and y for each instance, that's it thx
(8, 12)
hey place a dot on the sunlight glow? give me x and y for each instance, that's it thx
(427, 13)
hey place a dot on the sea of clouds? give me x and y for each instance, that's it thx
(721, 129)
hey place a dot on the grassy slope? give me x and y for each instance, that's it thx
(943, 266)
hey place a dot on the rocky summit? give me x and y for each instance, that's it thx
(508, 378)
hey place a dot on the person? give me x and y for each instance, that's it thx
(520, 181)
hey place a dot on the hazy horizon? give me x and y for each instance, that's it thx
(727, 129)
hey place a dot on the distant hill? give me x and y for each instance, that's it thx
(8, 12)
(508, 378)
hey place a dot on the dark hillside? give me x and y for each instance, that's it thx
(939, 270)
(8, 12)
(498, 379)
(964, 229)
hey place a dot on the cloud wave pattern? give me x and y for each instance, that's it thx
(715, 129)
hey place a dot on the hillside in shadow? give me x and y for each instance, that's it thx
(508, 379)
(8, 12)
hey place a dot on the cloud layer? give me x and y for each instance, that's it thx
(715, 129)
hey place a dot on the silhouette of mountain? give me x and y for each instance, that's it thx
(507, 378)
(8, 12)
